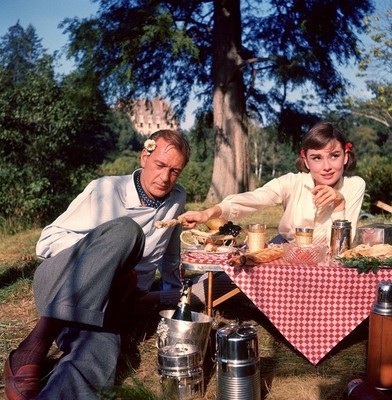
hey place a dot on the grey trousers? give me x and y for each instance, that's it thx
(81, 285)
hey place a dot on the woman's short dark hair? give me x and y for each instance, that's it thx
(318, 137)
(175, 139)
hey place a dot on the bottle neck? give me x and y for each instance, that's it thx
(184, 298)
(185, 295)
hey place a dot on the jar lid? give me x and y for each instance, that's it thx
(341, 223)
(257, 227)
(383, 304)
(304, 230)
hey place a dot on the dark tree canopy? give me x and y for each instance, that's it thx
(143, 47)
(241, 58)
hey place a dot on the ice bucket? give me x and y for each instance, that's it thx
(238, 363)
(172, 332)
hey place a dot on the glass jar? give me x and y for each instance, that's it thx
(303, 236)
(256, 237)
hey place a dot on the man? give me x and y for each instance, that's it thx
(90, 254)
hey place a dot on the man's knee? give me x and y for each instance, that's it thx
(126, 227)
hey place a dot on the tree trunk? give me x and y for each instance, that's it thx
(231, 168)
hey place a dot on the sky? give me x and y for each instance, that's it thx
(46, 15)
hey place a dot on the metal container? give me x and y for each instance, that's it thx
(379, 356)
(238, 363)
(178, 359)
(383, 303)
(172, 332)
(340, 236)
(374, 234)
(181, 371)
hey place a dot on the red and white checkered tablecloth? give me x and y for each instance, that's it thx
(314, 307)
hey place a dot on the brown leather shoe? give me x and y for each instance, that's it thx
(24, 385)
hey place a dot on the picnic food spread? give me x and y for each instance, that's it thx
(380, 251)
(213, 240)
(220, 236)
(168, 223)
(265, 255)
(366, 258)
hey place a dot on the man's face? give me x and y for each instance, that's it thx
(161, 169)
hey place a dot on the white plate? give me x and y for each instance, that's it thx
(201, 249)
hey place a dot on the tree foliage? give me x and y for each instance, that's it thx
(52, 131)
(377, 67)
(240, 57)
(377, 172)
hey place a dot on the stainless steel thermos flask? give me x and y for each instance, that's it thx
(340, 236)
(238, 363)
(379, 358)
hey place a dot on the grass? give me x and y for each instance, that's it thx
(286, 374)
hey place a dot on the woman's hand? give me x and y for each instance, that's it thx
(324, 195)
(192, 218)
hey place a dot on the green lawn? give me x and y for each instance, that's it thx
(286, 374)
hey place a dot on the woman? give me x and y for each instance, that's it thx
(314, 197)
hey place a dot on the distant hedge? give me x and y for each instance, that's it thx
(377, 173)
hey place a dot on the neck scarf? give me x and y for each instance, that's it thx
(154, 203)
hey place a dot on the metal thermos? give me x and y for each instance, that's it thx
(182, 347)
(340, 236)
(238, 363)
(181, 371)
(379, 358)
(359, 389)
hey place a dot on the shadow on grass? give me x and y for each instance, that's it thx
(24, 270)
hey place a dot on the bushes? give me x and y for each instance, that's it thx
(377, 173)
(196, 179)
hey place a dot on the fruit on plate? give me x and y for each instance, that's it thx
(215, 223)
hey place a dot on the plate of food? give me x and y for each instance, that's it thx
(222, 239)
(366, 258)
(265, 255)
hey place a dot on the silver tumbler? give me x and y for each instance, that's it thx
(340, 236)
(238, 363)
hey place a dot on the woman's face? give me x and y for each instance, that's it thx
(326, 165)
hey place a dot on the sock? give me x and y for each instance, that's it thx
(34, 349)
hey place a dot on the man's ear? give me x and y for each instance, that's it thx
(143, 157)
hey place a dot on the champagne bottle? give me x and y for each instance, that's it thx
(183, 309)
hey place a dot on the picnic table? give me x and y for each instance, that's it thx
(313, 306)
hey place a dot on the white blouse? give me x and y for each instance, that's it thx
(293, 192)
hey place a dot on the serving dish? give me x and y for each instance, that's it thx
(310, 254)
